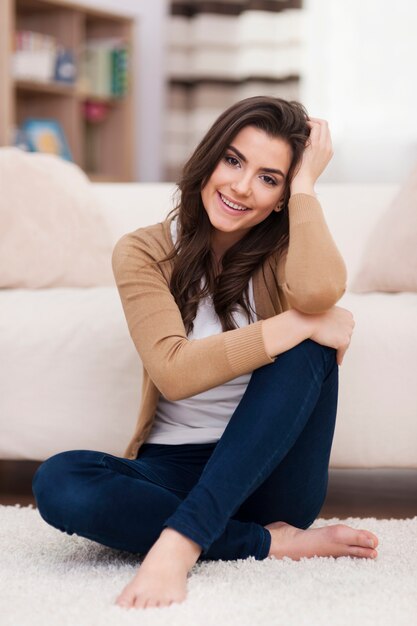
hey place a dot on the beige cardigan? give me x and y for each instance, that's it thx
(311, 277)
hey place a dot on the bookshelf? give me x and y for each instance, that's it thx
(103, 149)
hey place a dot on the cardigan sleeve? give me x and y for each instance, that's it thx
(312, 274)
(179, 367)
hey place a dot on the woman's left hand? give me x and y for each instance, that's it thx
(316, 155)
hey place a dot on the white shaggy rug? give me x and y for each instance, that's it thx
(48, 577)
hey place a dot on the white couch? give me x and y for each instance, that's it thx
(71, 377)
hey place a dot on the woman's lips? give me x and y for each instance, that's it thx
(229, 209)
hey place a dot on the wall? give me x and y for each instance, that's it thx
(360, 76)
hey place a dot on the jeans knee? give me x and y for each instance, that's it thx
(51, 484)
(318, 350)
(44, 482)
(307, 520)
(318, 346)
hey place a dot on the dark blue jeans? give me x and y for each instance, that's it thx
(271, 464)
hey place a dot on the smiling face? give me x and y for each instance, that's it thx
(246, 185)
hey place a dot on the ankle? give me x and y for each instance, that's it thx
(181, 545)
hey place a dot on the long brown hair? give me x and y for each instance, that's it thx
(194, 276)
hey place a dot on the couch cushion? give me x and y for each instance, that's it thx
(376, 422)
(389, 260)
(53, 233)
(129, 206)
(73, 376)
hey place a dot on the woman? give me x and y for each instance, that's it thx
(230, 303)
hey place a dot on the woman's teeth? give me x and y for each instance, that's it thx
(232, 205)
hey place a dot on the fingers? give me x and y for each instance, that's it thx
(340, 354)
(318, 122)
(342, 350)
(320, 133)
(318, 126)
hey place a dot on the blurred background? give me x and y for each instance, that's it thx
(127, 88)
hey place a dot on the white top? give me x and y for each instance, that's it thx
(201, 418)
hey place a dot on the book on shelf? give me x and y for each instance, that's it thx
(103, 64)
(34, 56)
(40, 57)
(104, 68)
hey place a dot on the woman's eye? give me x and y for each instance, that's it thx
(269, 180)
(231, 160)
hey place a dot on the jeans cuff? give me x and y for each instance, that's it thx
(187, 532)
(264, 544)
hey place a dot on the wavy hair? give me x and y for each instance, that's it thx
(194, 275)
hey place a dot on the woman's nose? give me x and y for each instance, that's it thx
(241, 186)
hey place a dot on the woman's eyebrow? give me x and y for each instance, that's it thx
(264, 169)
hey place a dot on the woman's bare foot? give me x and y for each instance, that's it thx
(336, 540)
(162, 577)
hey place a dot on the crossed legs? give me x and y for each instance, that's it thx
(270, 464)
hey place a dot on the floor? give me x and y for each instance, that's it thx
(379, 493)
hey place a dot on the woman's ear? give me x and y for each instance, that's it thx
(279, 206)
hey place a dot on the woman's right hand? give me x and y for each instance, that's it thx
(333, 328)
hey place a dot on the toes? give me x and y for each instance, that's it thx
(362, 552)
(140, 602)
(123, 604)
(124, 601)
(151, 603)
(356, 543)
(345, 534)
(340, 533)
(365, 537)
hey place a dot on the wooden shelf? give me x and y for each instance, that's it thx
(36, 86)
(62, 89)
(82, 95)
(107, 147)
(102, 178)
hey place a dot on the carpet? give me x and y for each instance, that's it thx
(49, 577)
